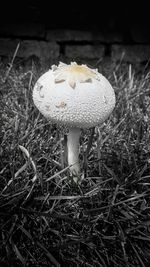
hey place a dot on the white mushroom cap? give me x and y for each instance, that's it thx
(74, 95)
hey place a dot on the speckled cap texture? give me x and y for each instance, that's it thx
(74, 95)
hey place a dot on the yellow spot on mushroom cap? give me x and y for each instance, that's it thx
(74, 73)
(80, 69)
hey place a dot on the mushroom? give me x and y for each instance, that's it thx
(75, 96)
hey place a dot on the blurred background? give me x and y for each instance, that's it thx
(91, 31)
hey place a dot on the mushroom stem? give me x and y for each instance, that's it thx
(73, 150)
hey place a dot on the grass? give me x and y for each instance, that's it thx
(45, 220)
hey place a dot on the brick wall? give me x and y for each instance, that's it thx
(94, 45)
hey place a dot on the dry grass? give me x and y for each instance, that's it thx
(45, 219)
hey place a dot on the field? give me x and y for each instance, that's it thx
(46, 219)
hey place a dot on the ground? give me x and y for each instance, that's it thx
(46, 219)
